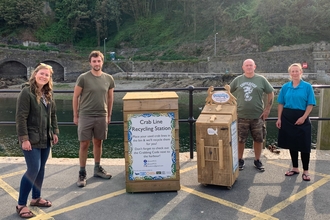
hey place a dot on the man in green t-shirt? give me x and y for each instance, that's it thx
(92, 108)
(249, 89)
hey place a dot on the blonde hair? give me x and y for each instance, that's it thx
(47, 89)
(295, 64)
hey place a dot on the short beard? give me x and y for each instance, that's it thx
(96, 69)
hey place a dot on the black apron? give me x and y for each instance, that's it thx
(295, 137)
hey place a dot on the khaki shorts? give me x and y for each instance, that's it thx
(256, 127)
(89, 127)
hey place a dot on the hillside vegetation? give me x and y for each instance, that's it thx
(165, 29)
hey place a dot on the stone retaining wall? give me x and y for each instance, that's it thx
(15, 63)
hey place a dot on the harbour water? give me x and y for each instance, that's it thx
(113, 147)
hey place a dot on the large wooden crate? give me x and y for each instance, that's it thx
(151, 140)
(216, 143)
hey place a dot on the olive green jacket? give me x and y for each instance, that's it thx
(34, 121)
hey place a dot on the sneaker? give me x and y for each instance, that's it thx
(258, 165)
(100, 172)
(82, 179)
(241, 164)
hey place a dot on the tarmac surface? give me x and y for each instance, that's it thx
(254, 195)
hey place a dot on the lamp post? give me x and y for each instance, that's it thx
(215, 44)
(104, 47)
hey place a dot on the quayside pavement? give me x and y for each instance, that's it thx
(254, 195)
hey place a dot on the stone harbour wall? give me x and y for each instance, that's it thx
(15, 63)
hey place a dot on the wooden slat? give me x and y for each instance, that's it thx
(224, 110)
(202, 151)
(152, 186)
(221, 154)
(148, 105)
(149, 95)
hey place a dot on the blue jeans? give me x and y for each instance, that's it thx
(32, 179)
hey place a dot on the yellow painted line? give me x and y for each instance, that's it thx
(258, 215)
(40, 214)
(82, 204)
(13, 193)
(280, 206)
(227, 203)
(310, 172)
(12, 174)
(8, 189)
(278, 164)
(48, 216)
(188, 169)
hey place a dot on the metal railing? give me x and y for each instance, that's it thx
(190, 120)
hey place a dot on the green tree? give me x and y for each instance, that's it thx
(18, 13)
(76, 15)
(104, 12)
(8, 13)
(30, 12)
(137, 8)
(294, 21)
(209, 13)
(116, 13)
(313, 17)
(236, 19)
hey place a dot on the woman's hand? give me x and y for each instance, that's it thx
(300, 121)
(26, 145)
(278, 123)
(55, 139)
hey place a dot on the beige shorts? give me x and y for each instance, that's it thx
(256, 127)
(89, 127)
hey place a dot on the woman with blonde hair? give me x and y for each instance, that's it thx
(37, 130)
(295, 102)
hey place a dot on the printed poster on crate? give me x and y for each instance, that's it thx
(151, 146)
(234, 145)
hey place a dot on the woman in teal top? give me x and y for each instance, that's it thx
(296, 101)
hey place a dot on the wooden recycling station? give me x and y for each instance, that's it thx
(151, 141)
(216, 140)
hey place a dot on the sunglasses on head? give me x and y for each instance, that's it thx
(45, 65)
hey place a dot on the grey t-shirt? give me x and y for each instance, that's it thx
(249, 94)
(94, 95)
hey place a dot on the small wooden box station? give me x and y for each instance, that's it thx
(216, 140)
(151, 140)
